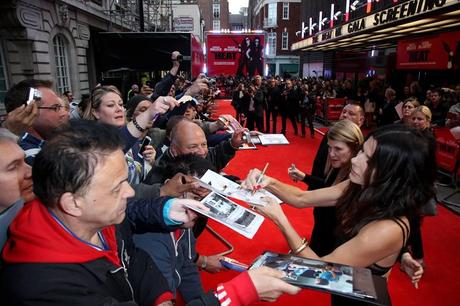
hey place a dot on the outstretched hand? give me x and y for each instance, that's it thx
(237, 138)
(251, 180)
(180, 212)
(271, 210)
(162, 105)
(412, 268)
(295, 174)
(269, 285)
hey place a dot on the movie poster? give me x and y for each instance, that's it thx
(440, 52)
(235, 54)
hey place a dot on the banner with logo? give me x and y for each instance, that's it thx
(235, 54)
(438, 52)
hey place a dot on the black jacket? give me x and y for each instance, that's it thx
(218, 155)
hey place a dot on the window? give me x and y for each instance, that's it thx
(272, 43)
(62, 64)
(216, 25)
(216, 11)
(285, 10)
(284, 41)
(272, 11)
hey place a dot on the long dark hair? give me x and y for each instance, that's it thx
(398, 181)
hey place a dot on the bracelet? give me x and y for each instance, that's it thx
(303, 245)
(203, 263)
(137, 126)
(301, 248)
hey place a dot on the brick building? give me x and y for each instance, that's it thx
(281, 20)
(215, 14)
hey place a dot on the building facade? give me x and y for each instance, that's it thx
(280, 19)
(51, 40)
(187, 18)
(215, 14)
(393, 40)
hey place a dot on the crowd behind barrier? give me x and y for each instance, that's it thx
(151, 141)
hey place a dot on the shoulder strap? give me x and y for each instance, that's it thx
(404, 228)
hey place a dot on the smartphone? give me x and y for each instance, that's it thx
(233, 264)
(145, 142)
(34, 94)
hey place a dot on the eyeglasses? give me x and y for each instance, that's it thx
(57, 107)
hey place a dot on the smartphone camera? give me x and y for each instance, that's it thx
(147, 140)
(34, 94)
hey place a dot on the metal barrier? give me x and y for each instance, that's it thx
(329, 109)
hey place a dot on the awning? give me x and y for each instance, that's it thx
(382, 29)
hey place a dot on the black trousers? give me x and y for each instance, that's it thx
(292, 118)
(306, 114)
(274, 117)
(258, 119)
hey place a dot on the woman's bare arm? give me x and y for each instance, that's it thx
(377, 242)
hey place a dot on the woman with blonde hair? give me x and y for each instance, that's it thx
(106, 106)
(421, 118)
(344, 140)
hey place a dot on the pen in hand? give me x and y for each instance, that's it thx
(259, 179)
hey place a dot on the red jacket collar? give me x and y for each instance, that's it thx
(36, 237)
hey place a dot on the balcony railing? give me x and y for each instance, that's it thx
(270, 23)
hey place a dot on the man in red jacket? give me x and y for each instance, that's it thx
(73, 244)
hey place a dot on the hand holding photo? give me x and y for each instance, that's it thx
(357, 283)
(217, 183)
(230, 214)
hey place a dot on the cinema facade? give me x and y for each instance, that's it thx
(392, 40)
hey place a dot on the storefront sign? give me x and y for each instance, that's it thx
(235, 54)
(434, 52)
(393, 14)
(183, 24)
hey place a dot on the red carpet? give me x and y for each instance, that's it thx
(441, 234)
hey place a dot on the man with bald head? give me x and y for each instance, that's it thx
(188, 137)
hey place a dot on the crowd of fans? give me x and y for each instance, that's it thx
(296, 98)
(102, 216)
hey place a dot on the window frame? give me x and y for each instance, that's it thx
(285, 10)
(214, 22)
(216, 10)
(271, 37)
(285, 40)
(61, 60)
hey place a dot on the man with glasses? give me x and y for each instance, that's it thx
(51, 114)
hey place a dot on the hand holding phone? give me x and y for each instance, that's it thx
(233, 264)
(34, 95)
(145, 142)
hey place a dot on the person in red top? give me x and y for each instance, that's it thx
(73, 244)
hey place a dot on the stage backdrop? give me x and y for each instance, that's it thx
(235, 54)
(438, 52)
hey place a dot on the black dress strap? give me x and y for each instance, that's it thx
(404, 228)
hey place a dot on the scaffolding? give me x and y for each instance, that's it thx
(157, 15)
